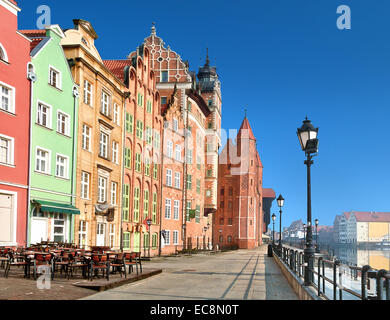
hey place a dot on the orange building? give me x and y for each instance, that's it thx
(239, 221)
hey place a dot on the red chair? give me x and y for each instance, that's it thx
(133, 259)
(16, 261)
(118, 264)
(78, 262)
(43, 260)
(99, 262)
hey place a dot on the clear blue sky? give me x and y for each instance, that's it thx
(281, 60)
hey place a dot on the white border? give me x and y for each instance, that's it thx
(15, 220)
(13, 95)
(49, 162)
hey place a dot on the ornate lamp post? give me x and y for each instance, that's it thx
(280, 201)
(273, 230)
(149, 222)
(316, 222)
(307, 136)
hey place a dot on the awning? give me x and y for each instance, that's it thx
(48, 206)
(266, 237)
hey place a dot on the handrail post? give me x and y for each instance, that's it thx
(335, 264)
(364, 281)
(387, 284)
(323, 276)
(379, 275)
(319, 275)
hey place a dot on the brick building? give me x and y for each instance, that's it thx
(192, 120)
(239, 220)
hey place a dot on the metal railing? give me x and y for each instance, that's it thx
(293, 258)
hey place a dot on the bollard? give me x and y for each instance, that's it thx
(379, 275)
(319, 275)
(364, 281)
(335, 264)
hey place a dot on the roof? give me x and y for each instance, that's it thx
(366, 216)
(35, 35)
(246, 126)
(269, 193)
(117, 67)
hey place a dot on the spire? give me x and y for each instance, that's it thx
(207, 57)
(153, 28)
(246, 126)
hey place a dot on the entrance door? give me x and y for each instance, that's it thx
(137, 242)
(38, 230)
(6, 220)
(100, 234)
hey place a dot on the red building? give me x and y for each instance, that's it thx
(15, 126)
(239, 221)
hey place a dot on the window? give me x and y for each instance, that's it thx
(167, 237)
(221, 239)
(116, 114)
(86, 138)
(128, 158)
(178, 152)
(102, 189)
(59, 227)
(42, 161)
(176, 208)
(230, 204)
(114, 189)
(156, 140)
(103, 152)
(222, 204)
(54, 78)
(230, 191)
(146, 204)
(175, 237)
(147, 166)
(87, 93)
(129, 122)
(136, 204)
(188, 208)
(126, 240)
(229, 239)
(3, 55)
(189, 106)
(154, 208)
(149, 106)
(177, 180)
(167, 208)
(62, 166)
(210, 102)
(155, 171)
(7, 98)
(154, 240)
(105, 103)
(163, 100)
(222, 191)
(149, 135)
(115, 148)
(198, 186)
(169, 178)
(197, 214)
(189, 181)
(189, 156)
(126, 202)
(6, 150)
(164, 76)
(209, 173)
(140, 129)
(198, 161)
(169, 149)
(221, 221)
(63, 123)
(208, 193)
(83, 234)
(44, 115)
(85, 177)
(140, 100)
(146, 240)
(230, 222)
(175, 125)
(111, 235)
(138, 162)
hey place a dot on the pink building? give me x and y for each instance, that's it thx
(15, 126)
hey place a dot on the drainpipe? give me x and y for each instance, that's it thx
(32, 77)
(184, 230)
(161, 186)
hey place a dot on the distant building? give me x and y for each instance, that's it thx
(268, 197)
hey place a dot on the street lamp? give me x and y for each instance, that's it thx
(149, 223)
(273, 231)
(280, 201)
(307, 136)
(316, 222)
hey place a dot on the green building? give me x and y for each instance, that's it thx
(53, 143)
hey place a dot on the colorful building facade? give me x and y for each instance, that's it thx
(14, 129)
(53, 148)
(100, 140)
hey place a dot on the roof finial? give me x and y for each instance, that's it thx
(153, 33)
(207, 57)
(245, 112)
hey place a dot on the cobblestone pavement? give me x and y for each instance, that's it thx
(240, 274)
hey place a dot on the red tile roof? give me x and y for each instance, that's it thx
(35, 35)
(371, 216)
(268, 193)
(117, 67)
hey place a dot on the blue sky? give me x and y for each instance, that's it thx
(281, 60)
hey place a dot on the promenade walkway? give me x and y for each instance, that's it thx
(239, 274)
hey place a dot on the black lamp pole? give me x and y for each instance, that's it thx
(273, 231)
(304, 234)
(280, 201)
(316, 222)
(307, 135)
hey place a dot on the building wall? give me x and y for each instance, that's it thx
(14, 126)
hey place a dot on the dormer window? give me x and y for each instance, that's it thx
(84, 41)
(54, 78)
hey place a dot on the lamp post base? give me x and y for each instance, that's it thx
(308, 257)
